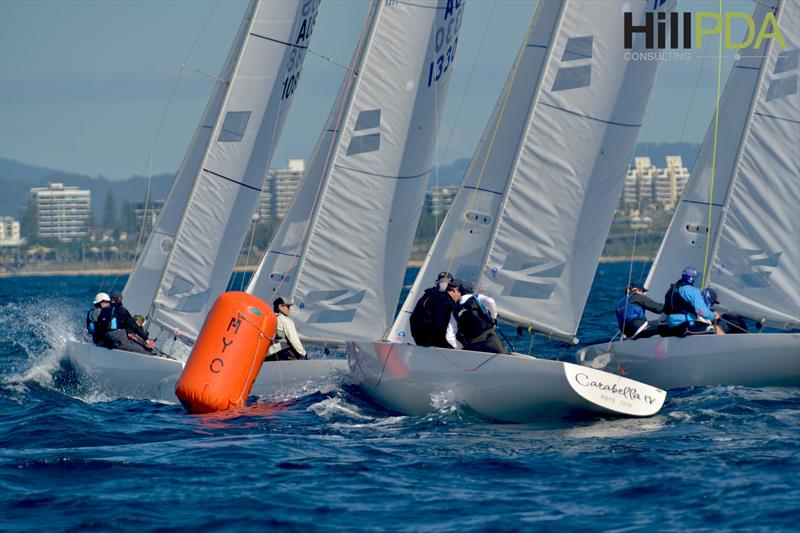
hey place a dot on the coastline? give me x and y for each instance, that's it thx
(250, 268)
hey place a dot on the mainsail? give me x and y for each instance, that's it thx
(341, 250)
(750, 251)
(208, 212)
(533, 212)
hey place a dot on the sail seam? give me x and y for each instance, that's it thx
(232, 180)
(613, 123)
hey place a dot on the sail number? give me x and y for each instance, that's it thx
(298, 52)
(446, 40)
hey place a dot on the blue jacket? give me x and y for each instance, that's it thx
(693, 296)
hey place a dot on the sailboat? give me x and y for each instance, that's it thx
(191, 253)
(739, 221)
(528, 224)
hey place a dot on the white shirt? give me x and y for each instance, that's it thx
(286, 331)
(452, 328)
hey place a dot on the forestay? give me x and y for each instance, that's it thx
(341, 250)
(530, 219)
(237, 156)
(753, 248)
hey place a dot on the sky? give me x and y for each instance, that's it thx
(116, 88)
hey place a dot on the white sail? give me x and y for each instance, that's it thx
(140, 290)
(341, 251)
(752, 243)
(232, 171)
(532, 215)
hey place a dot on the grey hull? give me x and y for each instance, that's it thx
(121, 374)
(416, 380)
(755, 360)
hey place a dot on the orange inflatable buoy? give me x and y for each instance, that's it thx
(227, 356)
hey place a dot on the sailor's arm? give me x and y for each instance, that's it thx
(450, 335)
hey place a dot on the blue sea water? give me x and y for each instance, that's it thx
(716, 458)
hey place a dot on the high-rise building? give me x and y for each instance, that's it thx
(62, 212)
(9, 232)
(154, 208)
(279, 188)
(438, 200)
(648, 186)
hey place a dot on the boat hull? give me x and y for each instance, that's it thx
(513, 388)
(121, 374)
(754, 360)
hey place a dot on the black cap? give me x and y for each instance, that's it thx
(280, 301)
(466, 287)
(637, 286)
(454, 284)
(444, 274)
(116, 295)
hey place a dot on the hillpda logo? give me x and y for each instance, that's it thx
(686, 30)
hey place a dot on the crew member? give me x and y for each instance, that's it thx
(431, 314)
(686, 310)
(631, 314)
(286, 346)
(473, 321)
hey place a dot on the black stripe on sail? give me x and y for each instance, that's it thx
(278, 41)
(793, 121)
(231, 180)
(701, 203)
(481, 189)
(283, 253)
(385, 175)
(623, 124)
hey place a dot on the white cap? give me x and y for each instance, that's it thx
(101, 297)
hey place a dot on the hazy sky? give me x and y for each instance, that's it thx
(85, 84)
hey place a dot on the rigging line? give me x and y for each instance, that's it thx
(149, 160)
(713, 158)
(506, 97)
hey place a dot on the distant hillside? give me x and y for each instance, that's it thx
(16, 180)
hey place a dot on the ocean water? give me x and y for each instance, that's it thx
(716, 458)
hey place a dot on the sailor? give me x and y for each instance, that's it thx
(286, 346)
(122, 337)
(473, 320)
(431, 314)
(631, 314)
(99, 318)
(728, 322)
(686, 310)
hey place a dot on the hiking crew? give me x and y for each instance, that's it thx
(472, 326)
(99, 319)
(631, 316)
(686, 310)
(431, 314)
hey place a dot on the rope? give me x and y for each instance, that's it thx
(713, 158)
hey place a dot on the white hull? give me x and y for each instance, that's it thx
(512, 388)
(755, 360)
(121, 374)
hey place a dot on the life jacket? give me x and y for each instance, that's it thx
(628, 312)
(99, 322)
(473, 320)
(421, 319)
(675, 303)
